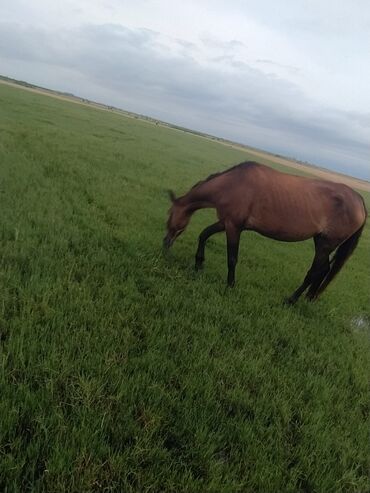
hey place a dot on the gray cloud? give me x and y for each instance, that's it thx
(138, 70)
(291, 68)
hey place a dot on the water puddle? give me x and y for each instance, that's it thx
(361, 324)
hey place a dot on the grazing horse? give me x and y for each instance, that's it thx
(251, 196)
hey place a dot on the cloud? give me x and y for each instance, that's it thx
(145, 71)
(290, 68)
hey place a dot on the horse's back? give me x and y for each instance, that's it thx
(289, 207)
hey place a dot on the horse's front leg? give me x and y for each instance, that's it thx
(233, 239)
(203, 237)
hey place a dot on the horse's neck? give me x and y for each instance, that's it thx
(196, 199)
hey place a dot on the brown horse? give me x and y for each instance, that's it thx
(251, 196)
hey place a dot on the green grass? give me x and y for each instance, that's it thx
(121, 370)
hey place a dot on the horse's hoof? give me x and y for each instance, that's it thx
(289, 301)
(311, 298)
(198, 266)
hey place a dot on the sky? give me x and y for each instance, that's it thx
(290, 77)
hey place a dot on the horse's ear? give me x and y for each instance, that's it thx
(171, 195)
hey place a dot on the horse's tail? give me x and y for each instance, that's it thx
(342, 254)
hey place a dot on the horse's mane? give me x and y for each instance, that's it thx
(215, 175)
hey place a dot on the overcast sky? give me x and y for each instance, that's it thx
(291, 76)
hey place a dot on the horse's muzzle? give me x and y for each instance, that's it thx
(167, 242)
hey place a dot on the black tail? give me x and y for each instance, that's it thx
(343, 252)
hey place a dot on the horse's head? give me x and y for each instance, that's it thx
(178, 219)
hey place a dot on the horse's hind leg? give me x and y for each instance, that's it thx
(315, 284)
(319, 268)
(203, 237)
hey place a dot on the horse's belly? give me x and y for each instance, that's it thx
(288, 230)
(284, 235)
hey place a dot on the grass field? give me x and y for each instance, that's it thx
(121, 370)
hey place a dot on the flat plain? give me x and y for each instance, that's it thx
(124, 370)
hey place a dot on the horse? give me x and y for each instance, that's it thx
(254, 197)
